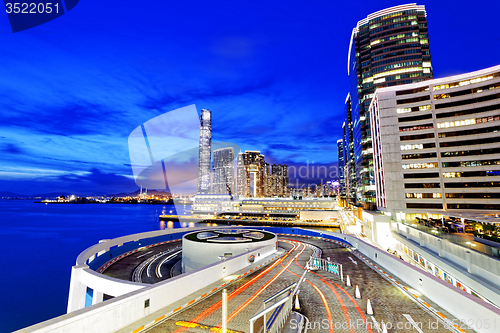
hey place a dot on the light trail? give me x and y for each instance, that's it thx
(158, 267)
(357, 307)
(342, 305)
(236, 292)
(344, 308)
(261, 289)
(323, 298)
(142, 255)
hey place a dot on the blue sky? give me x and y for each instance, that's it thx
(272, 72)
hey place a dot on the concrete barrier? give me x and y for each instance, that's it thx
(485, 266)
(469, 309)
(85, 276)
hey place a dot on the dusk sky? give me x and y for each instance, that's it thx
(274, 74)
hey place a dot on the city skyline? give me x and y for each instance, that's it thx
(68, 107)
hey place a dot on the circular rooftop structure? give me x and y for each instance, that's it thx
(202, 248)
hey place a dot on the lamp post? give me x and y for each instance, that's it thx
(224, 311)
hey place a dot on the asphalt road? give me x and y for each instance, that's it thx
(124, 268)
(325, 300)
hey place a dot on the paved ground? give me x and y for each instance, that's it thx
(208, 312)
(389, 304)
(124, 268)
(329, 305)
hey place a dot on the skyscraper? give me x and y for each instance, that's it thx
(349, 170)
(437, 145)
(268, 179)
(223, 171)
(340, 151)
(388, 48)
(251, 174)
(279, 180)
(286, 191)
(205, 147)
(240, 176)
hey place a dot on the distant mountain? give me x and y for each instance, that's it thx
(56, 194)
(39, 195)
(133, 194)
(11, 195)
(8, 194)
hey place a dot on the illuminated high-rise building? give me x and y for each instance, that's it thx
(436, 145)
(240, 176)
(387, 48)
(251, 174)
(349, 170)
(205, 146)
(286, 191)
(340, 151)
(279, 180)
(223, 171)
(268, 180)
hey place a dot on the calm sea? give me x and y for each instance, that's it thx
(39, 244)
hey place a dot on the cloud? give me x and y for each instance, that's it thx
(94, 182)
(10, 148)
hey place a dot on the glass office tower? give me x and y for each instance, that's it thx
(340, 151)
(349, 170)
(223, 171)
(205, 150)
(388, 48)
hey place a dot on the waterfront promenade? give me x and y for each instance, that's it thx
(262, 221)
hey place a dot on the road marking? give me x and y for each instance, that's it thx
(353, 261)
(142, 255)
(376, 325)
(413, 323)
(139, 329)
(441, 315)
(202, 327)
(160, 318)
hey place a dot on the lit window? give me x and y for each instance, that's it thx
(420, 166)
(412, 147)
(451, 175)
(457, 123)
(467, 82)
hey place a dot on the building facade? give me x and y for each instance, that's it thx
(388, 48)
(340, 151)
(279, 176)
(256, 179)
(223, 171)
(268, 179)
(204, 152)
(436, 144)
(250, 170)
(349, 170)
